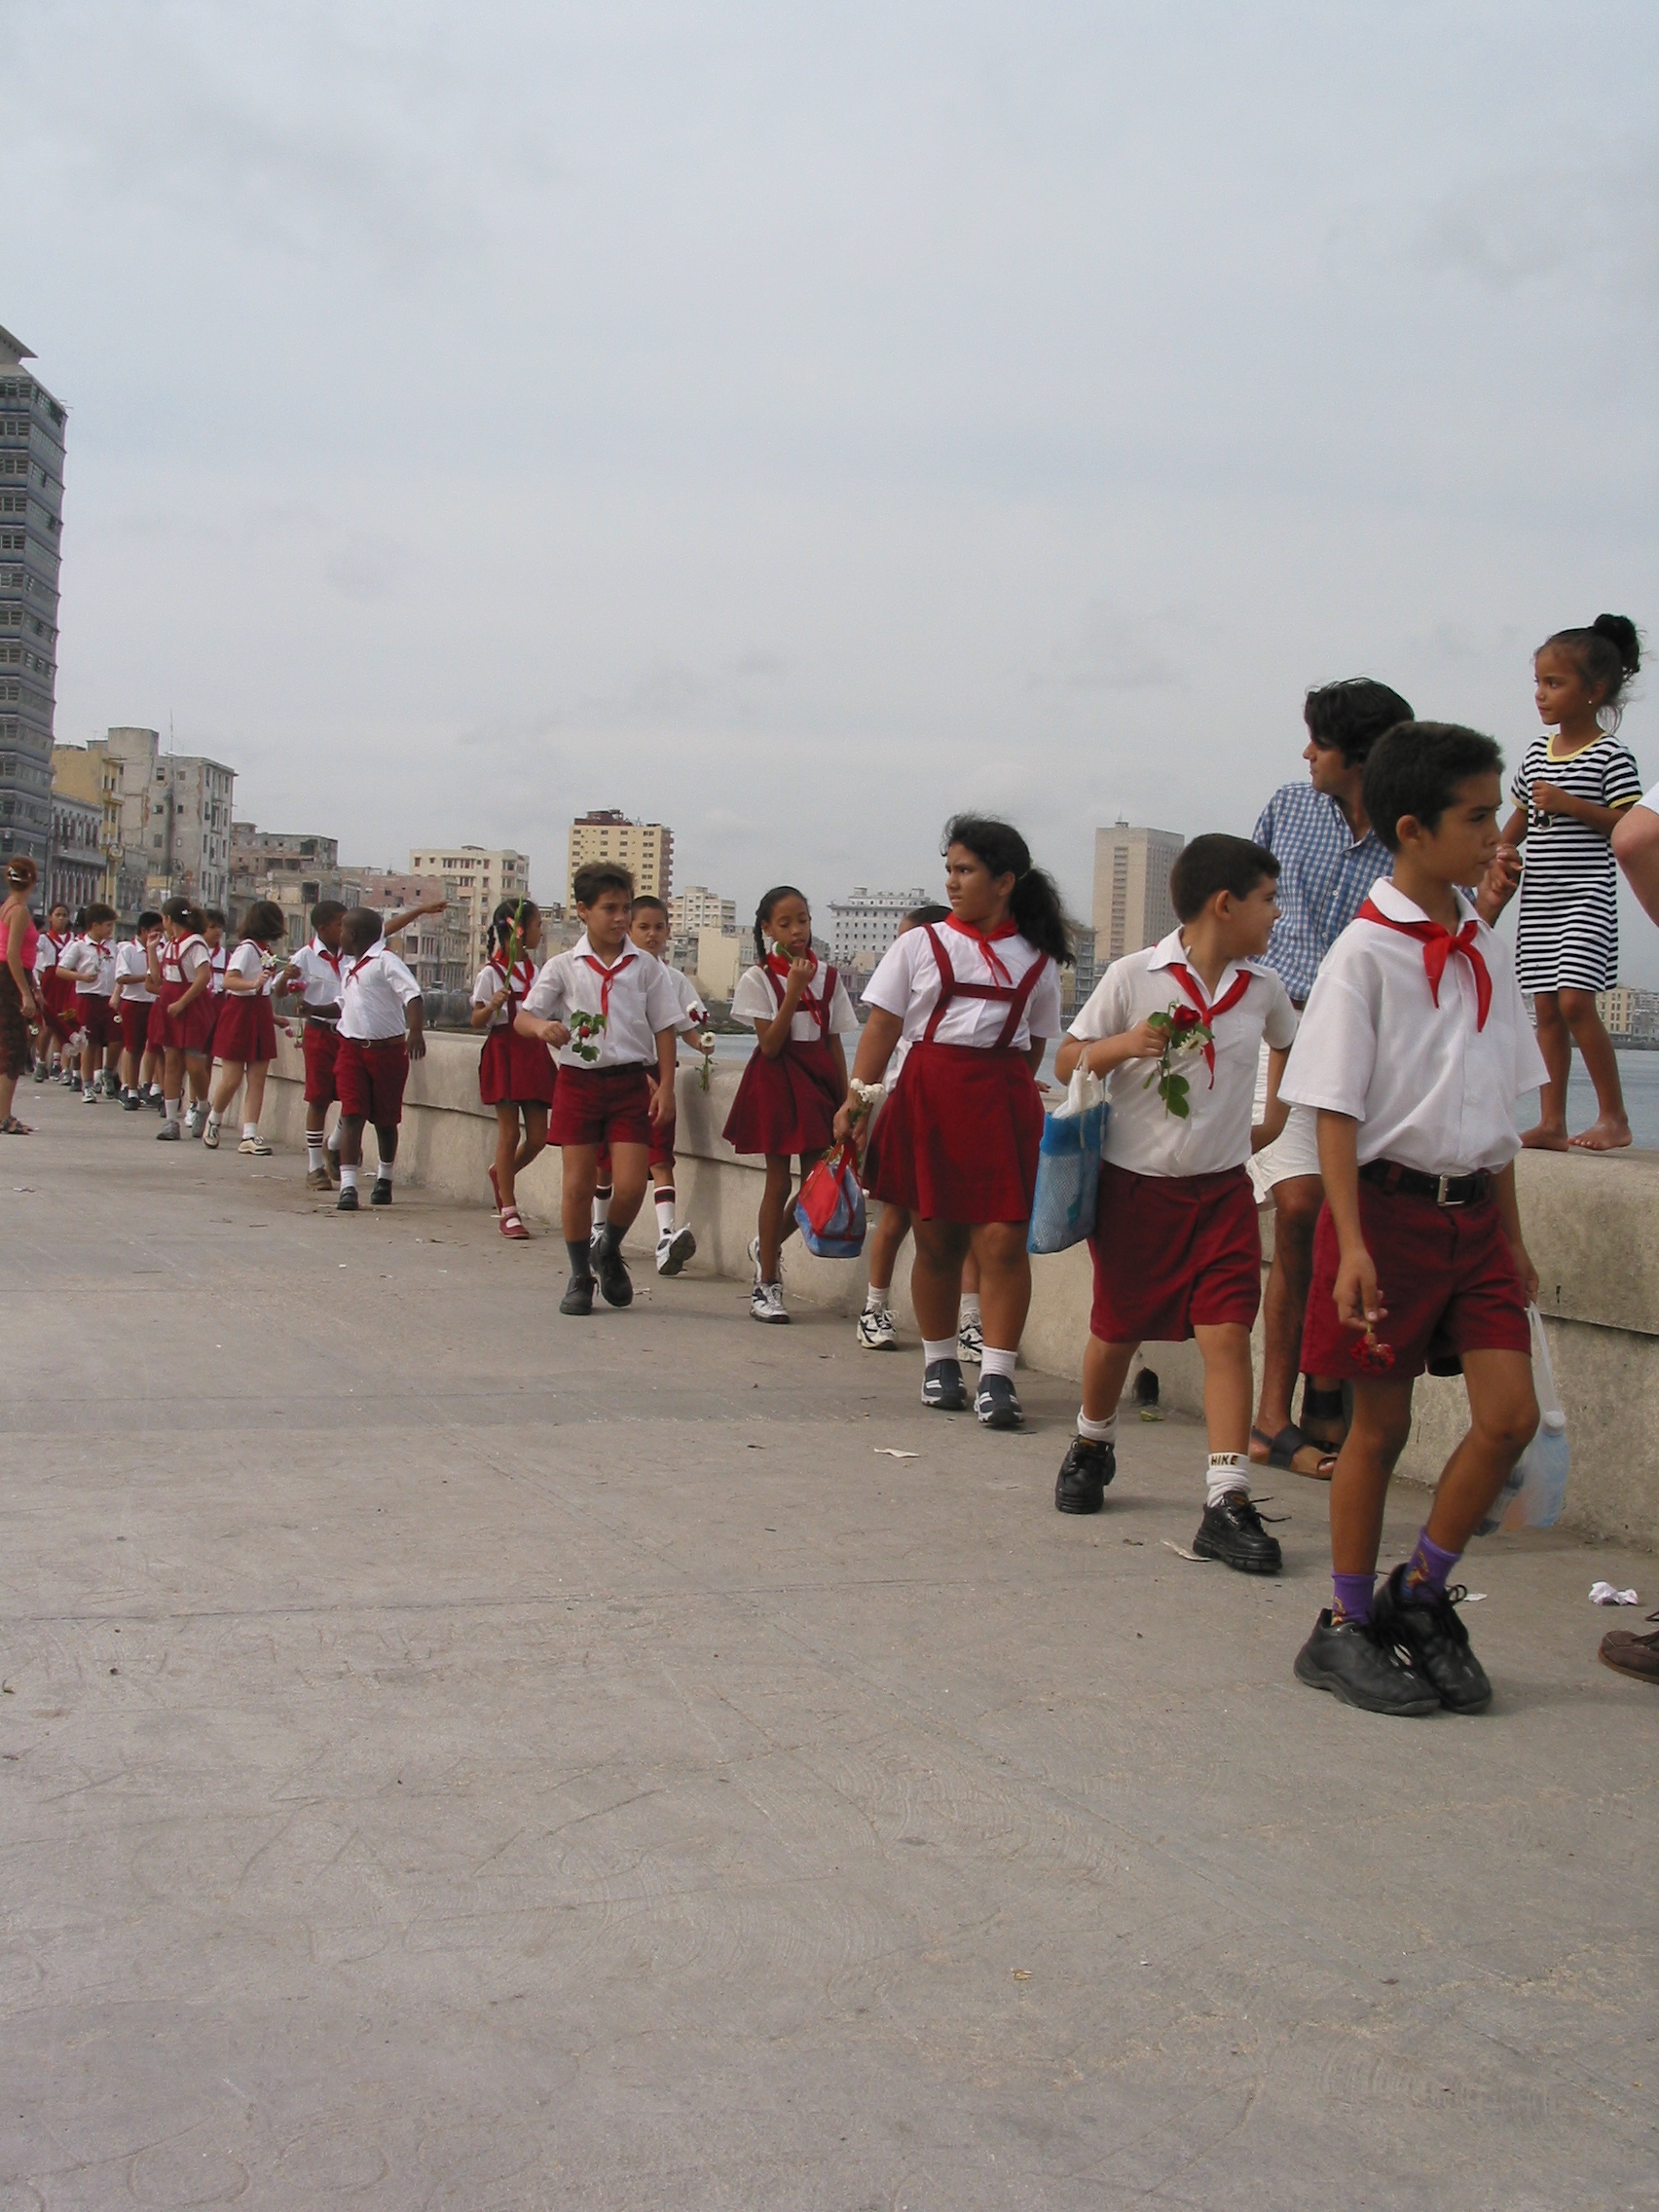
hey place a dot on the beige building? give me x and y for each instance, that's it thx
(721, 960)
(476, 880)
(94, 776)
(645, 849)
(436, 949)
(1628, 1013)
(697, 908)
(1131, 889)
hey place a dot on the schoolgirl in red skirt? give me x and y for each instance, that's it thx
(795, 1079)
(244, 1034)
(515, 1074)
(976, 998)
(185, 1010)
(57, 1027)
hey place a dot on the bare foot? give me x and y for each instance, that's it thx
(1610, 1133)
(1548, 1136)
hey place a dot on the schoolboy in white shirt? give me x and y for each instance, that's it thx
(611, 1017)
(382, 1030)
(1177, 1030)
(129, 1005)
(1413, 1050)
(90, 959)
(648, 930)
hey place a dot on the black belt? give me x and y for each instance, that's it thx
(1445, 1190)
(324, 1021)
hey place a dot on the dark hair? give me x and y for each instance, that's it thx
(1608, 654)
(91, 915)
(211, 915)
(181, 910)
(78, 920)
(770, 901)
(651, 899)
(263, 923)
(595, 876)
(920, 917)
(1216, 863)
(1350, 717)
(1415, 769)
(511, 914)
(148, 919)
(1035, 904)
(363, 928)
(326, 911)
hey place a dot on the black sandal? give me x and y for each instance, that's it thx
(11, 1126)
(1282, 1448)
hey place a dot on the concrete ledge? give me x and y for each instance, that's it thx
(1592, 1225)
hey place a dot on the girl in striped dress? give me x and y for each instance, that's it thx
(1572, 787)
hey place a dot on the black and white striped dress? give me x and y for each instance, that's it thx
(1567, 938)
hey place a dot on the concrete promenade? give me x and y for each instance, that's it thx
(460, 1758)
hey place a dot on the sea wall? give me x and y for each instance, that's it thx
(1592, 1225)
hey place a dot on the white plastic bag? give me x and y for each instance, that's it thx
(1535, 1493)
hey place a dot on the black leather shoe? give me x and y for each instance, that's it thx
(578, 1295)
(1430, 1631)
(1088, 1467)
(997, 1402)
(941, 1387)
(615, 1284)
(1233, 1532)
(345, 1203)
(1358, 1665)
(381, 1194)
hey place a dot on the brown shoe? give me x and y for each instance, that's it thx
(316, 1179)
(1627, 1653)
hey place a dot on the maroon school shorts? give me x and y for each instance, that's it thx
(369, 1078)
(1446, 1274)
(91, 1014)
(1173, 1253)
(601, 1106)
(134, 1015)
(321, 1043)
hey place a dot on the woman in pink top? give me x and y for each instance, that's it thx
(19, 938)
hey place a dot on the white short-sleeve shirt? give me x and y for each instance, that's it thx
(694, 1013)
(183, 958)
(1429, 1089)
(374, 989)
(48, 952)
(641, 1003)
(1142, 1135)
(249, 963)
(754, 1000)
(91, 963)
(132, 974)
(906, 984)
(220, 961)
(489, 979)
(320, 971)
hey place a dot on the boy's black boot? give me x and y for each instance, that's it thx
(1088, 1467)
(615, 1284)
(578, 1291)
(1233, 1532)
(1357, 1664)
(1428, 1629)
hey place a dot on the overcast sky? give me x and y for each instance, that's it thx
(795, 424)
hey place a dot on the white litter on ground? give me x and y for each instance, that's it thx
(1603, 1594)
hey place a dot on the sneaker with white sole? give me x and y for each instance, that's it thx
(88, 1097)
(195, 1122)
(254, 1148)
(674, 1250)
(877, 1332)
(970, 1343)
(766, 1303)
(211, 1136)
(997, 1402)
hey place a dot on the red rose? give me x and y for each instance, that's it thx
(1184, 1017)
(1372, 1353)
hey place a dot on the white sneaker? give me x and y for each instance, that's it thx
(88, 1097)
(254, 1148)
(877, 1332)
(195, 1122)
(970, 1343)
(766, 1303)
(673, 1248)
(211, 1136)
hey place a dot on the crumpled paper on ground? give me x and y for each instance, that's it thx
(1603, 1594)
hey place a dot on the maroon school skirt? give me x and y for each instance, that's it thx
(788, 1105)
(515, 1070)
(1173, 1252)
(959, 1137)
(193, 1030)
(246, 1028)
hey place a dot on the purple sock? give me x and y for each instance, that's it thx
(1353, 1594)
(1430, 1568)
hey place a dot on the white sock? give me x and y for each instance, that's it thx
(172, 1106)
(1228, 1471)
(1097, 1431)
(875, 1299)
(382, 1172)
(250, 1129)
(333, 1143)
(665, 1213)
(600, 1210)
(214, 1117)
(970, 1307)
(313, 1153)
(348, 1177)
(999, 1363)
(86, 1090)
(944, 1348)
(154, 1091)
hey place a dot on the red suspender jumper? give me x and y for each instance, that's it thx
(514, 1070)
(958, 1140)
(788, 1106)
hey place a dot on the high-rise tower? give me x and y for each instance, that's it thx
(32, 524)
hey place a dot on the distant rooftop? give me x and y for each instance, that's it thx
(13, 350)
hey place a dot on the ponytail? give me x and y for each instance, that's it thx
(510, 915)
(769, 903)
(1035, 904)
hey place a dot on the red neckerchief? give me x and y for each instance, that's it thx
(1207, 1014)
(322, 952)
(984, 939)
(1438, 947)
(522, 972)
(359, 967)
(778, 964)
(606, 977)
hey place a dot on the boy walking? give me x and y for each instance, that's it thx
(1413, 1050)
(1177, 1250)
(382, 1028)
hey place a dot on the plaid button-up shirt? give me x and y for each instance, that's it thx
(1324, 876)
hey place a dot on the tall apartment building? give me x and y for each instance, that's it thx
(125, 760)
(32, 524)
(476, 882)
(645, 848)
(697, 908)
(436, 949)
(189, 828)
(864, 923)
(1131, 889)
(1077, 982)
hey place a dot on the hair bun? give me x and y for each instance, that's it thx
(1622, 634)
